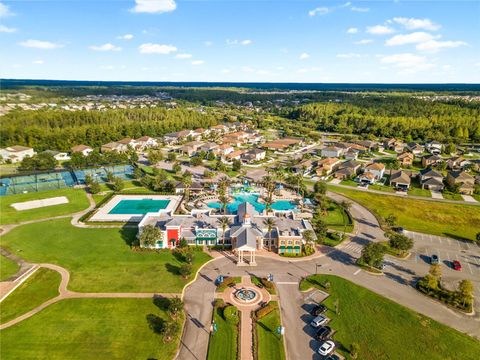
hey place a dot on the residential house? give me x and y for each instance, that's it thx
(16, 153)
(457, 163)
(57, 155)
(235, 155)
(367, 178)
(466, 181)
(351, 155)
(219, 129)
(145, 142)
(400, 180)
(304, 167)
(377, 169)
(326, 166)
(332, 152)
(394, 145)
(368, 144)
(254, 155)
(415, 148)
(208, 147)
(224, 150)
(114, 146)
(190, 148)
(176, 137)
(347, 169)
(431, 160)
(84, 149)
(405, 158)
(431, 179)
(195, 187)
(129, 142)
(434, 147)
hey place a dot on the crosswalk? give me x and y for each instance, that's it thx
(353, 248)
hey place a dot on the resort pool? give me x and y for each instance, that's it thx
(139, 206)
(232, 207)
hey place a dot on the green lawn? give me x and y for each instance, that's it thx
(38, 288)
(431, 217)
(89, 329)
(379, 187)
(386, 330)
(452, 196)
(77, 201)
(223, 343)
(415, 191)
(270, 343)
(99, 260)
(336, 218)
(7, 268)
(349, 183)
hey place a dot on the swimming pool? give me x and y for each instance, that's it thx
(139, 206)
(232, 207)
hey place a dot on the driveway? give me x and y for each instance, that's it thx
(469, 198)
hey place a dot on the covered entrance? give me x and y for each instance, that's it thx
(246, 256)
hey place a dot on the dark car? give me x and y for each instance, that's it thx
(318, 309)
(434, 259)
(333, 357)
(324, 333)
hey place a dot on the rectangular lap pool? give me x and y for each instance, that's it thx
(139, 207)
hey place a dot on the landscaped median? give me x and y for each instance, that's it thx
(267, 339)
(426, 216)
(384, 329)
(224, 338)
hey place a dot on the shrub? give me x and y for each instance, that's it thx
(267, 284)
(230, 314)
(264, 311)
(185, 270)
(226, 282)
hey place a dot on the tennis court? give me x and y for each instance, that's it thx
(57, 180)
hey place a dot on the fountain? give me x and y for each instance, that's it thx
(246, 295)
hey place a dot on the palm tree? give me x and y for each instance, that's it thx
(270, 224)
(345, 206)
(224, 182)
(187, 181)
(224, 222)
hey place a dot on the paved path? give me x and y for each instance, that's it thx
(469, 199)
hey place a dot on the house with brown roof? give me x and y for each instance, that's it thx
(84, 149)
(145, 142)
(190, 148)
(465, 181)
(377, 169)
(332, 152)
(347, 170)
(431, 160)
(400, 180)
(254, 155)
(431, 179)
(326, 166)
(224, 150)
(367, 178)
(16, 153)
(405, 158)
(457, 163)
(114, 146)
(128, 142)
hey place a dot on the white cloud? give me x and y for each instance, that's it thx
(434, 45)
(154, 6)
(208, 43)
(38, 62)
(407, 62)
(363, 42)
(413, 38)
(359, 9)
(150, 48)
(105, 47)
(5, 29)
(226, 71)
(5, 10)
(198, 62)
(352, 30)
(183, 56)
(415, 24)
(238, 42)
(38, 44)
(125, 37)
(380, 30)
(319, 11)
(348, 56)
(304, 56)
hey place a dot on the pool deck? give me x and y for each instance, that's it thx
(102, 213)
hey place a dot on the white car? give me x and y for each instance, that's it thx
(326, 348)
(319, 321)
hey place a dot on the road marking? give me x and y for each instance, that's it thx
(448, 256)
(356, 272)
(469, 267)
(287, 283)
(449, 242)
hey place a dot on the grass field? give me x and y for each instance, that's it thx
(379, 187)
(415, 191)
(386, 330)
(89, 329)
(38, 288)
(77, 201)
(7, 268)
(223, 343)
(270, 344)
(336, 218)
(99, 260)
(452, 196)
(431, 217)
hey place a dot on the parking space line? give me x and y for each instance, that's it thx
(469, 267)
(356, 272)
(449, 242)
(440, 239)
(448, 256)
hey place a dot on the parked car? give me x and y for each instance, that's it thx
(326, 348)
(319, 321)
(318, 309)
(324, 333)
(434, 259)
(456, 265)
(399, 229)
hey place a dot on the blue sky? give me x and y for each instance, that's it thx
(273, 41)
